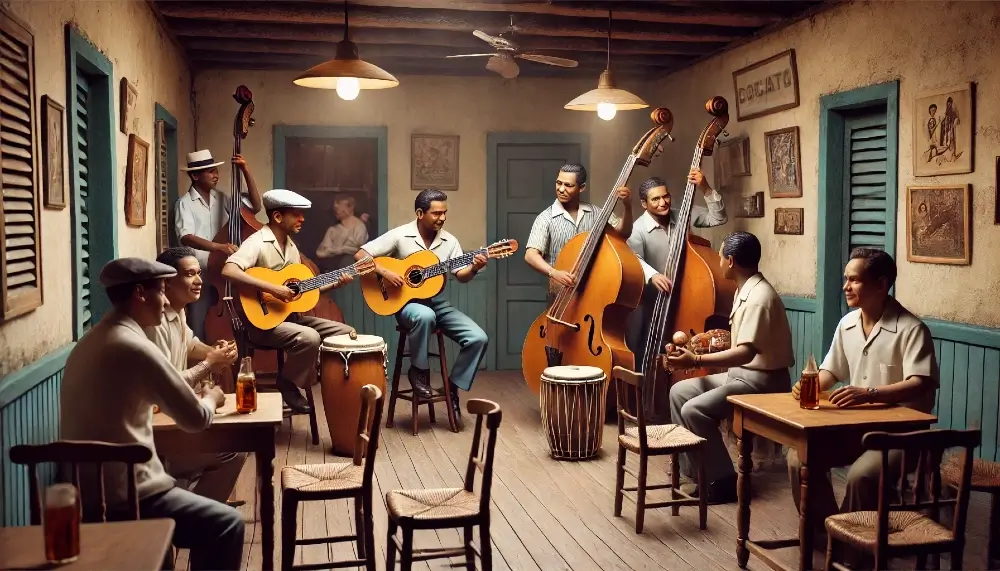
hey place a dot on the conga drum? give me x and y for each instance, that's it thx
(572, 402)
(346, 365)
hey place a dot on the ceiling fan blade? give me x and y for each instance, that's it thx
(504, 65)
(472, 55)
(495, 41)
(549, 60)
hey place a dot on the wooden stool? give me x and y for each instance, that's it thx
(443, 394)
(985, 478)
(287, 412)
(336, 481)
(654, 440)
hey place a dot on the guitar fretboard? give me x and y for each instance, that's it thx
(327, 278)
(452, 264)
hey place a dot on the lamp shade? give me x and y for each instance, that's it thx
(606, 92)
(346, 64)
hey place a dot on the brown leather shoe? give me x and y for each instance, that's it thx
(420, 381)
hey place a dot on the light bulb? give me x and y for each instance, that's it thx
(348, 88)
(606, 111)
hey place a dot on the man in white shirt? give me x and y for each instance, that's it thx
(759, 357)
(113, 378)
(201, 212)
(211, 475)
(420, 317)
(878, 334)
(344, 239)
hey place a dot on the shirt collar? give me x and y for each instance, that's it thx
(646, 222)
(196, 196)
(751, 283)
(558, 209)
(411, 231)
(170, 315)
(889, 320)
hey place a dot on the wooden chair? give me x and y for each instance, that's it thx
(71, 453)
(655, 440)
(449, 507)
(443, 395)
(899, 529)
(287, 412)
(986, 479)
(318, 482)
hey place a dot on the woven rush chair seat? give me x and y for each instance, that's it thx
(661, 437)
(441, 503)
(985, 474)
(906, 528)
(322, 477)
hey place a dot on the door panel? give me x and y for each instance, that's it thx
(526, 176)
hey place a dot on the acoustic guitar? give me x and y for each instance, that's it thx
(423, 276)
(266, 312)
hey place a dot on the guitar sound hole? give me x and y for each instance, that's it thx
(414, 277)
(294, 286)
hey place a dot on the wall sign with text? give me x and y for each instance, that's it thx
(767, 86)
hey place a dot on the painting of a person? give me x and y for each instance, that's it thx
(932, 132)
(948, 125)
(343, 239)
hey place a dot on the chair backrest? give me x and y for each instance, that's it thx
(369, 429)
(72, 453)
(924, 450)
(628, 391)
(481, 455)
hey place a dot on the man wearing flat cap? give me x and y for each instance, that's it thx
(299, 336)
(201, 212)
(113, 378)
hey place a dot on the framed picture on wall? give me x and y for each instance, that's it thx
(135, 181)
(938, 225)
(789, 221)
(784, 169)
(767, 86)
(434, 162)
(53, 139)
(751, 206)
(943, 131)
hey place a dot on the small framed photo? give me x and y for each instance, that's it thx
(135, 181)
(784, 169)
(434, 162)
(127, 98)
(788, 221)
(53, 140)
(943, 131)
(938, 224)
(751, 206)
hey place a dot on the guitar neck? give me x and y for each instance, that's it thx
(453, 264)
(327, 278)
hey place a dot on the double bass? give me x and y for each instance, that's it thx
(586, 324)
(701, 298)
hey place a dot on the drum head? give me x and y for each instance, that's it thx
(344, 343)
(572, 374)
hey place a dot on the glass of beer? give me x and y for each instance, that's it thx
(809, 386)
(62, 524)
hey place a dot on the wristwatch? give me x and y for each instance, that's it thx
(872, 394)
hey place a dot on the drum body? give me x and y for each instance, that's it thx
(346, 365)
(572, 403)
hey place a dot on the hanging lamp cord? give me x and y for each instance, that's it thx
(608, 65)
(346, 27)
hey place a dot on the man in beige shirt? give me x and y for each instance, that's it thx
(758, 362)
(879, 335)
(299, 336)
(113, 378)
(210, 475)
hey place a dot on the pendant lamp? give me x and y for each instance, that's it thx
(607, 99)
(346, 72)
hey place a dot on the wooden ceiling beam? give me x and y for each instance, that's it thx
(447, 20)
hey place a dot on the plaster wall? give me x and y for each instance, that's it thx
(130, 36)
(923, 45)
(469, 107)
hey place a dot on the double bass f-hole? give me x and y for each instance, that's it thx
(590, 336)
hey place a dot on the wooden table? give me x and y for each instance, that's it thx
(134, 545)
(232, 432)
(833, 436)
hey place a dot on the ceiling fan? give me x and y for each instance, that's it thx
(502, 61)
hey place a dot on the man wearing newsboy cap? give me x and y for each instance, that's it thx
(113, 377)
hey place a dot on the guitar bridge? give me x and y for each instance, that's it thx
(381, 286)
(260, 301)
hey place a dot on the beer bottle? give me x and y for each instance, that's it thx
(809, 385)
(246, 388)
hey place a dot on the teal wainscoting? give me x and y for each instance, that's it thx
(29, 414)
(968, 357)
(470, 298)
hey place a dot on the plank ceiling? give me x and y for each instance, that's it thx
(405, 37)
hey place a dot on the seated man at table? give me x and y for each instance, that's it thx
(112, 379)
(758, 362)
(211, 475)
(879, 332)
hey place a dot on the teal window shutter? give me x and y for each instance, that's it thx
(82, 177)
(866, 210)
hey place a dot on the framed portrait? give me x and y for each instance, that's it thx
(938, 225)
(943, 131)
(127, 97)
(135, 181)
(788, 221)
(767, 86)
(731, 159)
(53, 139)
(784, 169)
(434, 162)
(751, 206)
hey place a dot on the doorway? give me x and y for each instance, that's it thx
(521, 170)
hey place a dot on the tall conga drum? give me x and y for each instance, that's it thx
(346, 365)
(572, 402)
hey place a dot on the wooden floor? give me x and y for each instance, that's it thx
(547, 515)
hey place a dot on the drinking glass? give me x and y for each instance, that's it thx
(62, 523)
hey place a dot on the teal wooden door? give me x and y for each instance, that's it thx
(525, 185)
(867, 220)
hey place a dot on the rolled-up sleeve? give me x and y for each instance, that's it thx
(918, 354)
(384, 245)
(754, 327)
(835, 361)
(184, 223)
(538, 239)
(246, 257)
(712, 214)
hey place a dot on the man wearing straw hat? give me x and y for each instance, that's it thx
(201, 212)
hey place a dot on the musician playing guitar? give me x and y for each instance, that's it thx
(299, 336)
(567, 217)
(420, 317)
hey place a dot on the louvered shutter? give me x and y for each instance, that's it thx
(866, 209)
(20, 239)
(80, 138)
(162, 236)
